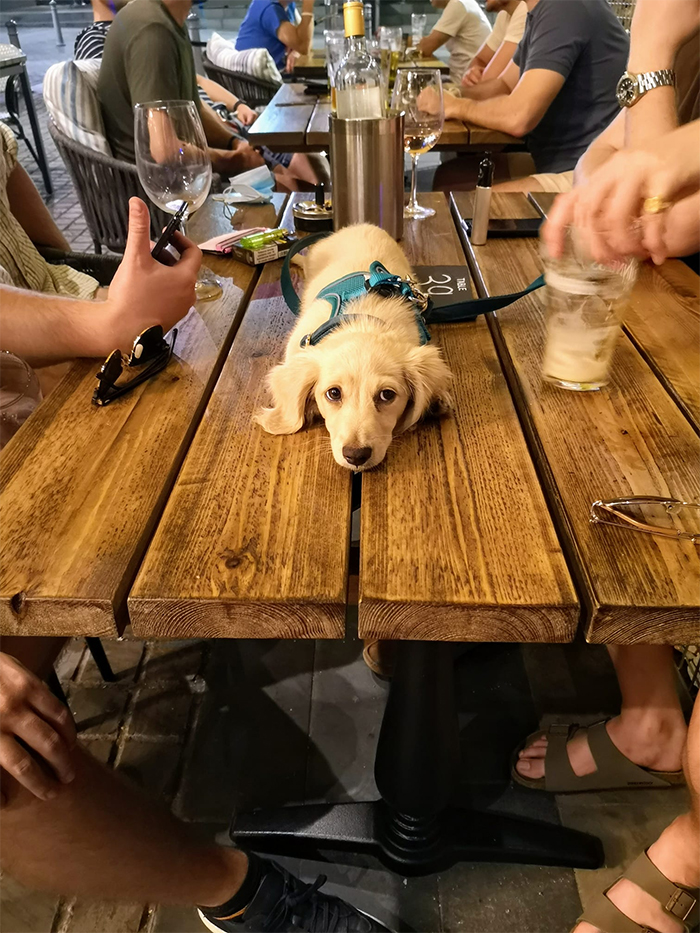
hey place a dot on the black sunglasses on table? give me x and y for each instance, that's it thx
(150, 349)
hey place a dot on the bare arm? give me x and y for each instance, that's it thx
(217, 93)
(659, 28)
(500, 60)
(610, 141)
(432, 43)
(47, 328)
(31, 212)
(517, 113)
(299, 38)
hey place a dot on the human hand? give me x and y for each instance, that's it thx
(30, 713)
(246, 114)
(429, 100)
(145, 292)
(472, 76)
(608, 210)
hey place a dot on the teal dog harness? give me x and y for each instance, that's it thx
(381, 282)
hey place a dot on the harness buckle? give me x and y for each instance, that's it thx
(422, 300)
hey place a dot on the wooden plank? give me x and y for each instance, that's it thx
(254, 540)
(663, 321)
(282, 125)
(312, 65)
(481, 137)
(81, 488)
(627, 439)
(456, 540)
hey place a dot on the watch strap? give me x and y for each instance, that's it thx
(649, 80)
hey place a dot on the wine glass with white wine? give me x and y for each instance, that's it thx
(174, 165)
(422, 130)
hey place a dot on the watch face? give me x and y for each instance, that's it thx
(626, 90)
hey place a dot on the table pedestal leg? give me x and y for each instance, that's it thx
(413, 829)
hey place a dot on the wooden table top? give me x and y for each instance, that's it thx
(171, 508)
(295, 121)
(638, 436)
(82, 488)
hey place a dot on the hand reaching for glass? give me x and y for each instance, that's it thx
(628, 207)
(431, 101)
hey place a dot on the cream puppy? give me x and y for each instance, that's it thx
(370, 378)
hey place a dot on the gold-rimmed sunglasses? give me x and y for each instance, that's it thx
(610, 513)
(150, 349)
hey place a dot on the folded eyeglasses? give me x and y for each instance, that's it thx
(150, 349)
(610, 513)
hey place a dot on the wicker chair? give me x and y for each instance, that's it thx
(253, 91)
(104, 186)
(102, 268)
(624, 10)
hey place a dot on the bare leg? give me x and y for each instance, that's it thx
(650, 729)
(101, 838)
(676, 853)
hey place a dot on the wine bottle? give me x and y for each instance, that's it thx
(358, 80)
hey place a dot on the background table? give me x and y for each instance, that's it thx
(313, 65)
(295, 121)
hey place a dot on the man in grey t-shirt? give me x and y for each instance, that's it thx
(559, 90)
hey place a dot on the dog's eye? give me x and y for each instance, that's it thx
(387, 395)
(334, 394)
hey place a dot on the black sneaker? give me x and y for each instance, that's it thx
(284, 904)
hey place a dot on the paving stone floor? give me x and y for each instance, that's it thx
(206, 727)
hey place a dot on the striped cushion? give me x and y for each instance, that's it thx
(255, 62)
(70, 93)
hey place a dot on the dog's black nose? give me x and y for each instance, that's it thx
(357, 455)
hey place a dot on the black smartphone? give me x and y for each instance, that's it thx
(507, 227)
(160, 251)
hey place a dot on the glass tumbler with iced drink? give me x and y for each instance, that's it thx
(19, 394)
(585, 302)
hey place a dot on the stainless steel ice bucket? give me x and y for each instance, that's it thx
(367, 173)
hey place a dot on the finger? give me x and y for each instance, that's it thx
(139, 236)
(653, 236)
(190, 253)
(56, 714)
(48, 744)
(618, 217)
(555, 227)
(22, 767)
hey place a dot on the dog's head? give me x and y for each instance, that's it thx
(367, 385)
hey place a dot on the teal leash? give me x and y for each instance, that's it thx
(456, 313)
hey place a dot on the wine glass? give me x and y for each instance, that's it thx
(174, 165)
(421, 129)
(19, 394)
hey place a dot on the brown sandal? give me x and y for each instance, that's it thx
(613, 769)
(677, 901)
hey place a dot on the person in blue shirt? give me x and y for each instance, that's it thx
(272, 25)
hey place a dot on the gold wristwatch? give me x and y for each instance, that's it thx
(631, 87)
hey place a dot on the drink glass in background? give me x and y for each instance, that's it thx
(418, 24)
(174, 165)
(19, 394)
(421, 129)
(391, 42)
(585, 303)
(369, 17)
(335, 50)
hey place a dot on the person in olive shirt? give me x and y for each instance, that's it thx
(148, 56)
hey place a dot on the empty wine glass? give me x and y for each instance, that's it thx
(422, 128)
(174, 165)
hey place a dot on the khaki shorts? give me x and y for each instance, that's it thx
(552, 181)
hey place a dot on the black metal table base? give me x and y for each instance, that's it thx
(413, 829)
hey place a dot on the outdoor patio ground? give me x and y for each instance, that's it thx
(206, 726)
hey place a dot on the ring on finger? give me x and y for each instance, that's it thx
(656, 204)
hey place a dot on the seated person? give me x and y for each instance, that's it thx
(463, 27)
(69, 824)
(559, 90)
(498, 50)
(148, 56)
(272, 25)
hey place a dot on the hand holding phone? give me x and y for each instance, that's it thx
(161, 251)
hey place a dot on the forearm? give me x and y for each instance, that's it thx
(494, 113)
(485, 90)
(305, 28)
(601, 149)
(47, 328)
(31, 212)
(217, 93)
(218, 133)
(499, 61)
(683, 232)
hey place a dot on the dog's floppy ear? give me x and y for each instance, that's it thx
(428, 380)
(290, 384)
